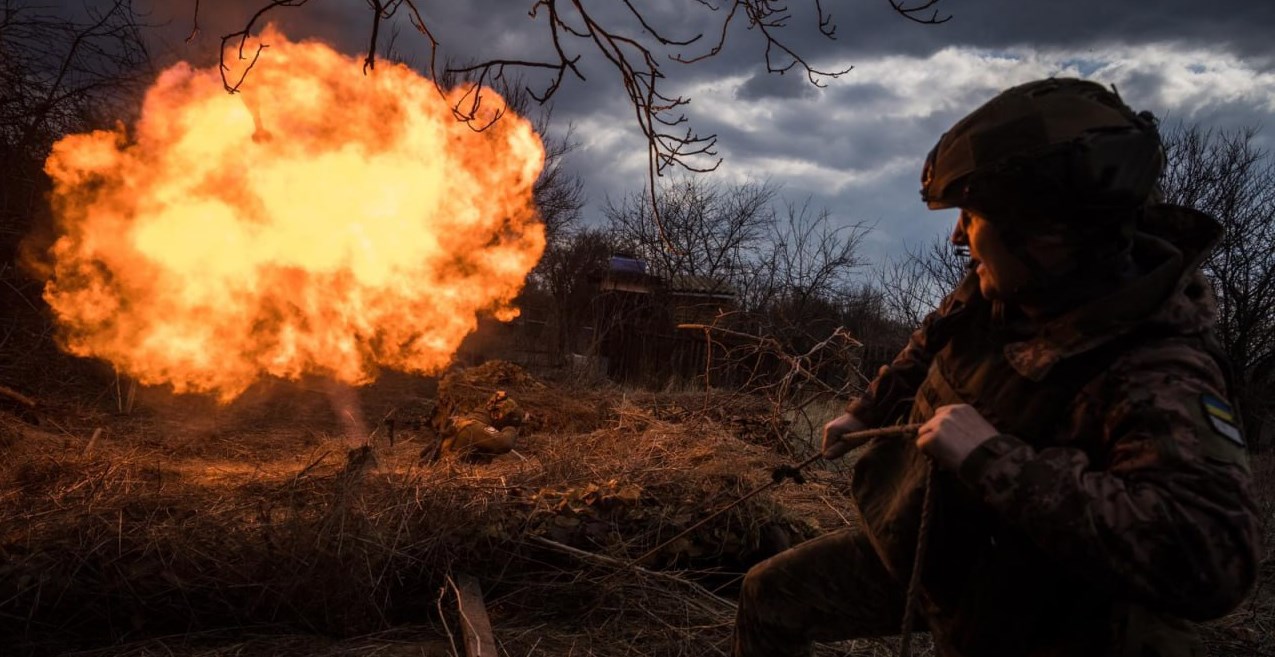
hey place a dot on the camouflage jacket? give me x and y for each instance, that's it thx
(1115, 502)
(487, 431)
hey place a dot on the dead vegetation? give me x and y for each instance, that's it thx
(192, 519)
(188, 529)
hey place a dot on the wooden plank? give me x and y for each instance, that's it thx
(479, 641)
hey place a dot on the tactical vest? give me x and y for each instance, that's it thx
(988, 590)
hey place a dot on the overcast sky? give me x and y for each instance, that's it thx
(855, 146)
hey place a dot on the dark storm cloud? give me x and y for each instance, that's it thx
(772, 85)
(855, 146)
(863, 94)
(797, 133)
(1243, 27)
(466, 31)
(1141, 84)
(480, 29)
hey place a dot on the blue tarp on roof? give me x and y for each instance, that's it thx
(626, 265)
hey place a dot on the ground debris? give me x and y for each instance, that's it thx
(183, 537)
(176, 526)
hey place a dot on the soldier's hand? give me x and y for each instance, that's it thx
(953, 433)
(835, 443)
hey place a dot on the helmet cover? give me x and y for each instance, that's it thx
(1058, 142)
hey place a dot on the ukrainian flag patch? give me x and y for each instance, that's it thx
(1222, 418)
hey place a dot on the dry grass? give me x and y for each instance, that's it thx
(193, 530)
(193, 519)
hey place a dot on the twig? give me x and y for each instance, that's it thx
(6, 391)
(88, 449)
(801, 366)
(778, 477)
(303, 472)
(194, 24)
(911, 13)
(624, 565)
(442, 593)
(242, 36)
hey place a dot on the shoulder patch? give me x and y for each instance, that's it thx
(1221, 417)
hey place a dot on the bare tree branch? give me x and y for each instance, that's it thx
(194, 24)
(792, 381)
(636, 59)
(708, 230)
(60, 75)
(243, 36)
(914, 284)
(1224, 174)
(914, 12)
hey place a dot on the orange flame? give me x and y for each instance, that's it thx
(320, 222)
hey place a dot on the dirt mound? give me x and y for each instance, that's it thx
(552, 408)
(491, 374)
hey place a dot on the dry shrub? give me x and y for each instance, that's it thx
(195, 538)
(150, 535)
(559, 409)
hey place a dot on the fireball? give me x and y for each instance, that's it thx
(318, 222)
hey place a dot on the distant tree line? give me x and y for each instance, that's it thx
(59, 74)
(786, 265)
(798, 275)
(1224, 173)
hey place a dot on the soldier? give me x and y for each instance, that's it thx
(1091, 492)
(480, 434)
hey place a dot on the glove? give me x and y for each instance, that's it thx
(835, 444)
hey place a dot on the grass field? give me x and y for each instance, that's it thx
(184, 528)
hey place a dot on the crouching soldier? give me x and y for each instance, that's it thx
(1090, 484)
(481, 434)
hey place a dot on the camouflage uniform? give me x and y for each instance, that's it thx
(486, 433)
(1113, 507)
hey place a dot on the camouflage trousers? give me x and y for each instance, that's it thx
(474, 440)
(832, 588)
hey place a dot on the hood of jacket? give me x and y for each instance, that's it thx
(1168, 294)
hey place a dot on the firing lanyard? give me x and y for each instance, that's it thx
(793, 472)
(777, 477)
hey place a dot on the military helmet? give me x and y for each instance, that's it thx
(1059, 143)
